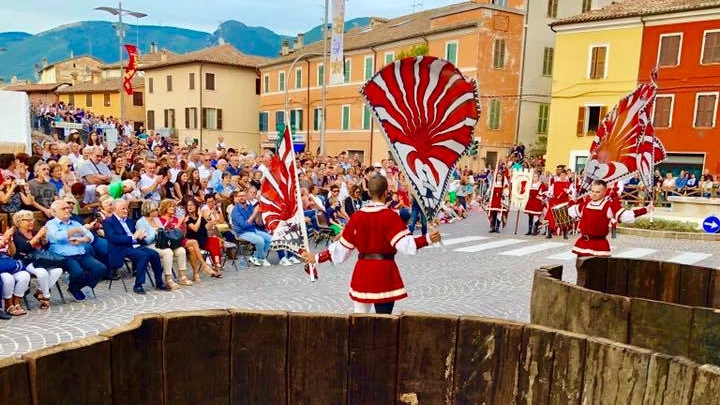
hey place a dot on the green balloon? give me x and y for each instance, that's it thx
(115, 190)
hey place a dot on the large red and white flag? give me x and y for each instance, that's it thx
(625, 142)
(427, 110)
(281, 211)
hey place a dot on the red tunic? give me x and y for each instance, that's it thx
(594, 221)
(496, 197)
(376, 230)
(534, 204)
(558, 196)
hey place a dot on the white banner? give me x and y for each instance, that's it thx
(337, 62)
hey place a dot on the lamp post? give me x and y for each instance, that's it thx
(120, 12)
(287, 94)
(325, 80)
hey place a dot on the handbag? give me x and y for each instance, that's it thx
(169, 238)
(46, 259)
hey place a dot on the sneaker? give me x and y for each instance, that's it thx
(254, 261)
(4, 316)
(265, 263)
(294, 260)
(77, 295)
(285, 262)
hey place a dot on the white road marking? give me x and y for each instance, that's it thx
(635, 253)
(689, 257)
(490, 245)
(464, 239)
(533, 249)
(563, 256)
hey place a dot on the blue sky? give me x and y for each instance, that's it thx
(282, 16)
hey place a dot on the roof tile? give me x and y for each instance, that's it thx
(637, 8)
(220, 55)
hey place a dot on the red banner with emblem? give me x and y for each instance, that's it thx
(130, 69)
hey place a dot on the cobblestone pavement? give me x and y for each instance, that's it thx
(477, 273)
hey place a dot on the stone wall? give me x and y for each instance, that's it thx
(236, 357)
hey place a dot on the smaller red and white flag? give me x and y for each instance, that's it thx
(281, 211)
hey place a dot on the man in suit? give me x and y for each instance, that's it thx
(125, 241)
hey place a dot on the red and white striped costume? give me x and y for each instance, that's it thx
(594, 218)
(375, 230)
(534, 204)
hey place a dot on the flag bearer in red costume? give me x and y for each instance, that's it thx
(534, 204)
(614, 191)
(595, 213)
(558, 194)
(378, 233)
(499, 193)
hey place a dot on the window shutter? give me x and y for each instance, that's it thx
(165, 118)
(187, 118)
(203, 118)
(600, 63)
(603, 113)
(218, 112)
(581, 121)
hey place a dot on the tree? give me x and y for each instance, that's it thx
(539, 147)
(415, 50)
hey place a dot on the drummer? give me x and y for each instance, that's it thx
(558, 193)
(595, 212)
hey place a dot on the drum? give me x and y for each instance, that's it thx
(561, 216)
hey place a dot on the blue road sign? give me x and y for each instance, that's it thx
(711, 224)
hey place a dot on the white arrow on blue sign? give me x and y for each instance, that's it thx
(711, 224)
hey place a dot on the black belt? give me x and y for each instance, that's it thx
(375, 256)
(588, 237)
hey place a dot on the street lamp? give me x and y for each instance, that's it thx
(287, 95)
(120, 12)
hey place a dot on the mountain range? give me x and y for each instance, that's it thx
(21, 53)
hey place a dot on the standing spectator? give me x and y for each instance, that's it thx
(70, 239)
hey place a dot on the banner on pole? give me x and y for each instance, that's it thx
(337, 60)
(130, 69)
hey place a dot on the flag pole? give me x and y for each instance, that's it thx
(298, 197)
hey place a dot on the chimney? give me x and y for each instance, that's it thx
(44, 62)
(13, 80)
(163, 56)
(375, 21)
(72, 54)
(153, 47)
(300, 40)
(96, 76)
(285, 49)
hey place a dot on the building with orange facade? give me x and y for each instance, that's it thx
(685, 46)
(482, 38)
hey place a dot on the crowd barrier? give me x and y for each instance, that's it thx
(238, 357)
(665, 307)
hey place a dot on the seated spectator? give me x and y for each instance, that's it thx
(353, 203)
(15, 280)
(125, 241)
(151, 183)
(93, 170)
(70, 239)
(243, 220)
(198, 227)
(13, 194)
(169, 220)
(669, 183)
(43, 192)
(28, 242)
(56, 177)
(681, 181)
(150, 224)
(692, 184)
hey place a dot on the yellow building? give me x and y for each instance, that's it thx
(205, 94)
(101, 97)
(482, 39)
(596, 64)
